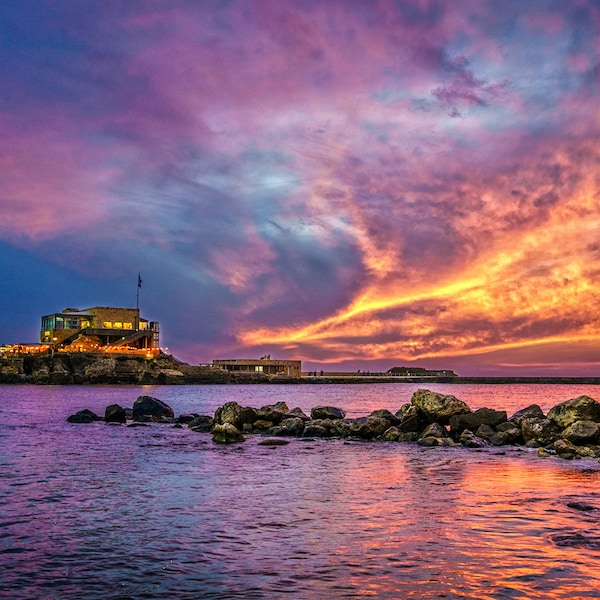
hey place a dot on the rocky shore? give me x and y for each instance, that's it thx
(569, 430)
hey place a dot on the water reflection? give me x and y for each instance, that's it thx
(110, 512)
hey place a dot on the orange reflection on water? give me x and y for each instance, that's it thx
(449, 521)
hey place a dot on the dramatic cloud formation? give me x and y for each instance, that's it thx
(358, 184)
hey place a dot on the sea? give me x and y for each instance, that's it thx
(103, 511)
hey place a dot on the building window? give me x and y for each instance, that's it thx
(127, 325)
(118, 325)
(259, 368)
(107, 324)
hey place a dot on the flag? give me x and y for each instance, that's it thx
(139, 281)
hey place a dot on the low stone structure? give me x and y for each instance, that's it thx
(569, 430)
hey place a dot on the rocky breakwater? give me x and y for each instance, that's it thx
(569, 430)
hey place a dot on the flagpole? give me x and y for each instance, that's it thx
(137, 299)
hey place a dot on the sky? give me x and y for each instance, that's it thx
(359, 184)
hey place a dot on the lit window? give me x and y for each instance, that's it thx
(107, 324)
(259, 368)
(118, 325)
(127, 325)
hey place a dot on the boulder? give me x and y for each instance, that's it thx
(373, 427)
(297, 412)
(410, 418)
(115, 414)
(582, 408)
(565, 449)
(226, 434)
(469, 440)
(391, 435)
(84, 416)
(541, 432)
(248, 415)
(506, 435)
(327, 412)
(581, 433)
(149, 406)
(437, 407)
(230, 412)
(387, 415)
(434, 430)
(485, 432)
(274, 412)
(531, 411)
(186, 419)
(293, 426)
(315, 431)
(201, 424)
(472, 421)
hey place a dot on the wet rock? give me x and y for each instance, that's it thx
(472, 421)
(509, 436)
(485, 432)
(247, 415)
(230, 413)
(315, 431)
(186, 419)
(262, 425)
(201, 424)
(582, 408)
(293, 426)
(84, 416)
(387, 415)
(529, 412)
(434, 441)
(115, 414)
(149, 406)
(327, 412)
(582, 432)
(274, 412)
(226, 434)
(470, 440)
(577, 540)
(541, 431)
(437, 407)
(408, 436)
(582, 506)
(410, 418)
(297, 412)
(391, 435)
(434, 430)
(565, 449)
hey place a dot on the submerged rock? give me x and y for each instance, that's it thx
(84, 416)
(115, 414)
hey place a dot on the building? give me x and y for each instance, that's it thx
(265, 365)
(99, 327)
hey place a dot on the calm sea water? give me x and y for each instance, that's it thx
(99, 511)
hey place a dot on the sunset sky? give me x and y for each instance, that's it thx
(358, 184)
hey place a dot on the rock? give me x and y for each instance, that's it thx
(262, 425)
(582, 432)
(531, 411)
(472, 421)
(434, 430)
(201, 424)
(565, 449)
(410, 418)
(470, 440)
(485, 432)
(387, 415)
(226, 434)
(186, 419)
(506, 436)
(293, 426)
(315, 431)
(327, 412)
(248, 415)
(230, 412)
(149, 406)
(540, 431)
(391, 435)
(115, 414)
(582, 408)
(434, 441)
(437, 407)
(274, 413)
(84, 416)
(297, 412)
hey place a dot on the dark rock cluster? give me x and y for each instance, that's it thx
(569, 430)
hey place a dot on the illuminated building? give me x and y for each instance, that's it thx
(99, 328)
(264, 366)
